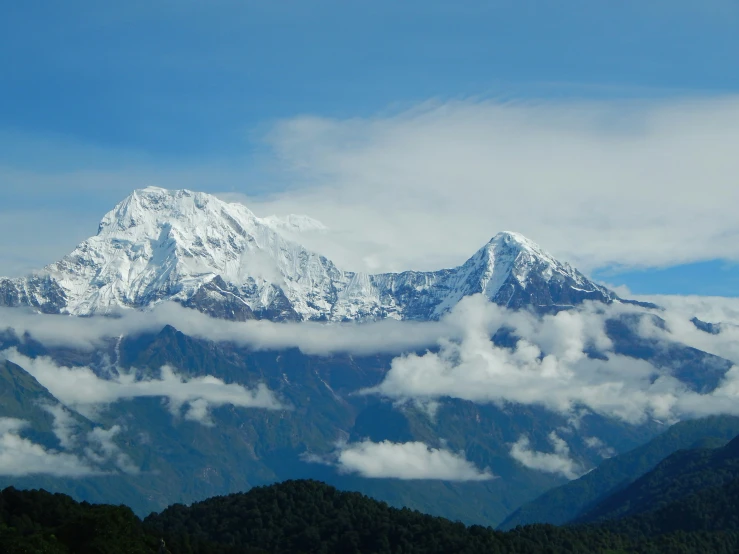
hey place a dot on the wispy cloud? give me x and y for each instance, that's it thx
(81, 388)
(20, 456)
(425, 188)
(387, 336)
(84, 451)
(604, 451)
(558, 461)
(102, 448)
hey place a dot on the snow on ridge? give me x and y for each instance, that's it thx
(160, 244)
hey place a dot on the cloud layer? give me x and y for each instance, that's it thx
(82, 389)
(387, 336)
(408, 460)
(550, 365)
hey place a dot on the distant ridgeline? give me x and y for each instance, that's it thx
(309, 516)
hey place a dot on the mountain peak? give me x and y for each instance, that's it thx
(150, 207)
(515, 271)
(218, 257)
(509, 237)
(512, 241)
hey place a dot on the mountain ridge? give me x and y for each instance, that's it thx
(218, 257)
(562, 504)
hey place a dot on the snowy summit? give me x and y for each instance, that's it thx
(218, 257)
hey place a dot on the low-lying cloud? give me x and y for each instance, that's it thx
(387, 336)
(82, 389)
(604, 451)
(84, 451)
(409, 460)
(679, 310)
(20, 457)
(550, 366)
(558, 461)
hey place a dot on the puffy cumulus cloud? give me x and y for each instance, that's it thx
(20, 457)
(387, 336)
(550, 367)
(81, 388)
(423, 189)
(558, 461)
(409, 460)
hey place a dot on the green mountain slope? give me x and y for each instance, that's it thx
(312, 517)
(565, 503)
(702, 472)
(21, 397)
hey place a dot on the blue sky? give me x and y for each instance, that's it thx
(98, 98)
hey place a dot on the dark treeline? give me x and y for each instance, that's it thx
(309, 516)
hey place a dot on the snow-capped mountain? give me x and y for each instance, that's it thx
(221, 259)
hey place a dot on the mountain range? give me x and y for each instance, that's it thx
(154, 448)
(219, 258)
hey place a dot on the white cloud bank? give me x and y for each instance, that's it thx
(409, 460)
(558, 461)
(387, 336)
(550, 366)
(82, 389)
(632, 183)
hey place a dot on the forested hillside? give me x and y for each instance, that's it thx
(311, 517)
(565, 503)
(689, 490)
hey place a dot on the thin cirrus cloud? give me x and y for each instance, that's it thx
(408, 461)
